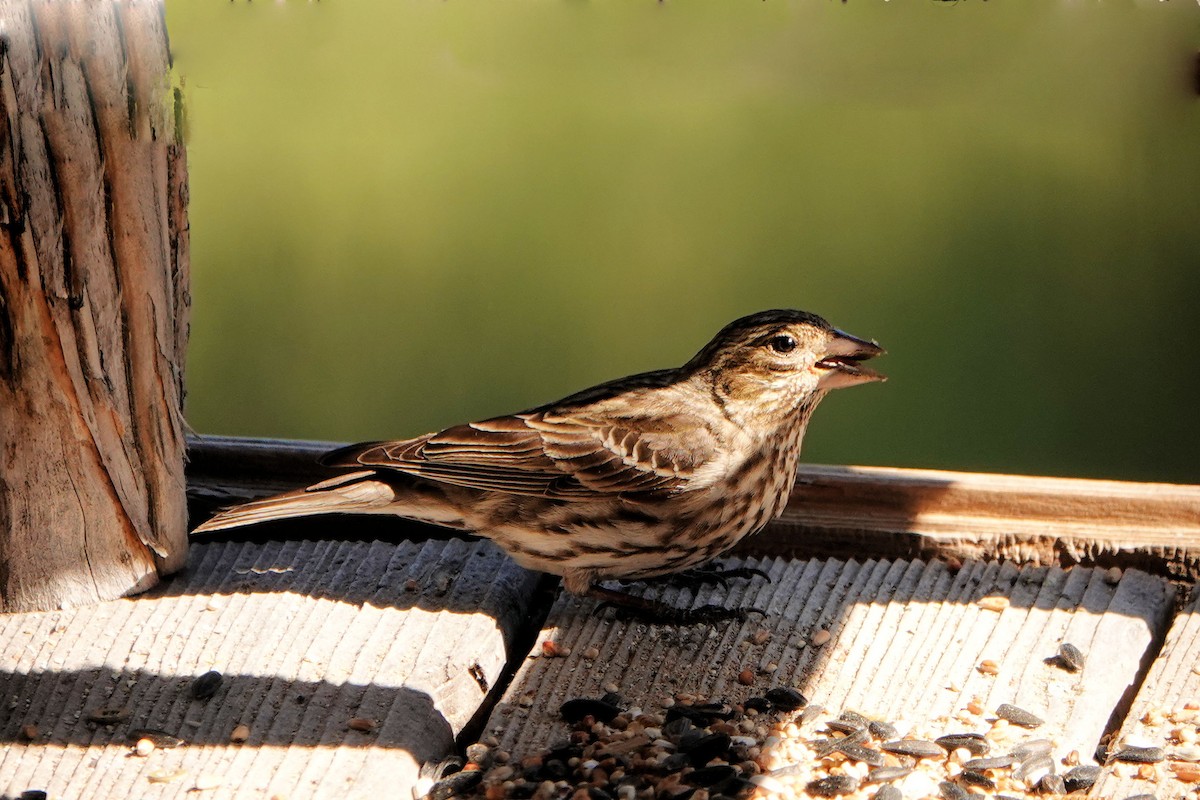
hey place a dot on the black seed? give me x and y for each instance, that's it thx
(612, 698)
(976, 778)
(206, 685)
(738, 788)
(575, 710)
(33, 794)
(715, 710)
(998, 762)
(596, 793)
(917, 748)
(888, 793)
(1069, 657)
(1018, 716)
(713, 777)
(973, 742)
(1081, 778)
(952, 791)
(1032, 747)
(1052, 784)
(832, 786)
(1139, 755)
(707, 748)
(786, 698)
(842, 726)
(883, 730)
(760, 704)
(856, 752)
(886, 774)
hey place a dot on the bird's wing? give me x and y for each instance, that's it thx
(542, 453)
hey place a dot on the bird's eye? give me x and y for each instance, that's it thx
(782, 343)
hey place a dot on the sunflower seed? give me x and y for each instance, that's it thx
(1019, 716)
(997, 762)
(952, 791)
(856, 752)
(832, 786)
(886, 774)
(1081, 778)
(1069, 657)
(883, 730)
(575, 710)
(1031, 747)
(1052, 784)
(842, 726)
(823, 747)
(917, 748)
(1033, 769)
(972, 742)
(1139, 755)
(786, 698)
(976, 779)
(206, 685)
(888, 793)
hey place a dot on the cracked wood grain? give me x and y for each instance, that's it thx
(93, 298)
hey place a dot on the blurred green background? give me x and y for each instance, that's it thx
(409, 213)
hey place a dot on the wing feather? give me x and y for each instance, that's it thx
(543, 454)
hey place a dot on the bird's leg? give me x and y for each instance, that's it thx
(653, 611)
(714, 573)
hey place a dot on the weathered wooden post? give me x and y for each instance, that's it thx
(93, 304)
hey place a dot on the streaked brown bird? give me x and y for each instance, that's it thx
(639, 477)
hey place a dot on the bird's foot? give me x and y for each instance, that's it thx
(655, 612)
(714, 573)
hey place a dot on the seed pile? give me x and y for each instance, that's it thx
(775, 747)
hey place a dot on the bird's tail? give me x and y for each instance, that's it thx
(355, 493)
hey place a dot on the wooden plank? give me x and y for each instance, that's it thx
(905, 641)
(1165, 714)
(308, 636)
(910, 513)
(843, 512)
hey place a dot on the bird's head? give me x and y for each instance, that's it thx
(772, 363)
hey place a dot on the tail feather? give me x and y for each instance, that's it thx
(347, 494)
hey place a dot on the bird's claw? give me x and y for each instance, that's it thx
(718, 575)
(655, 613)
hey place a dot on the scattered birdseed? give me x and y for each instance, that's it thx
(29, 733)
(820, 638)
(988, 667)
(362, 724)
(746, 677)
(1018, 716)
(240, 734)
(160, 739)
(166, 775)
(1052, 784)
(591, 654)
(143, 748)
(882, 730)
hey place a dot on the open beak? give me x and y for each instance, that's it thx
(842, 364)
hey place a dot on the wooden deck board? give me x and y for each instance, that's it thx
(906, 641)
(307, 635)
(1167, 703)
